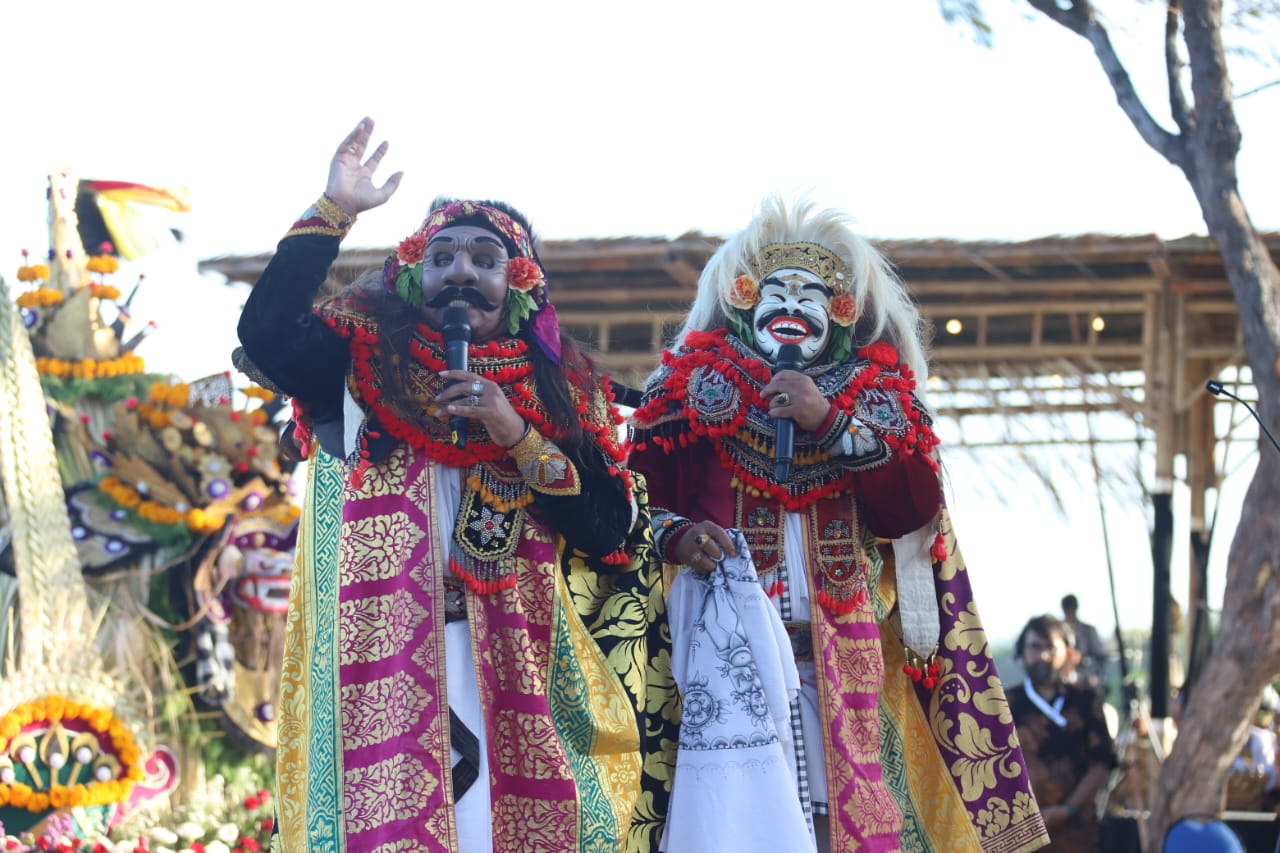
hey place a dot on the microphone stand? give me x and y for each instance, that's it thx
(1216, 389)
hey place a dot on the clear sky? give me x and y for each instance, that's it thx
(609, 119)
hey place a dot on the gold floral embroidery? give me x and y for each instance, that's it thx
(380, 546)
(376, 711)
(859, 662)
(514, 645)
(526, 745)
(523, 823)
(389, 790)
(387, 478)
(860, 732)
(379, 626)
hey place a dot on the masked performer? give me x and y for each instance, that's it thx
(788, 411)
(442, 689)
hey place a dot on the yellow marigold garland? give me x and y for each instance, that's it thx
(54, 709)
(128, 364)
(103, 264)
(257, 391)
(31, 272)
(197, 520)
(41, 297)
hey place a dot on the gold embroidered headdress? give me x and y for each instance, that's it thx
(811, 257)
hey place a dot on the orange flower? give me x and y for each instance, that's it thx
(411, 249)
(843, 309)
(103, 263)
(178, 395)
(744, 293)
(523, 274)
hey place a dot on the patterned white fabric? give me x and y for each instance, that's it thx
(735, 780)
(917, 599)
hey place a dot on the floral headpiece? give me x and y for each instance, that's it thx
(527, 293)
(743, 293)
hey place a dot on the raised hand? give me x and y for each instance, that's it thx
(351, 184)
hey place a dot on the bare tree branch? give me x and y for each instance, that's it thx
(1080, 19)
(1173, 68)
(1256, 89)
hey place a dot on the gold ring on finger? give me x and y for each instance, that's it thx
(783, 398)
(700, 539)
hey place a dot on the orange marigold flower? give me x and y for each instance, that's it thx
(179, 395)
(843, 309)
(103, 263)
(411, 249)
(523, 274)
(744, 293)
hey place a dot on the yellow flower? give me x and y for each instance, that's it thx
(744, 293)
(103, 264)
(179, 395)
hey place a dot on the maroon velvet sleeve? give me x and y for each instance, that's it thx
(899, 497)
(662, 472)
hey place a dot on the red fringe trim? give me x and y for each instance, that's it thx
(482, 587)
(713, 349)
(615, 558)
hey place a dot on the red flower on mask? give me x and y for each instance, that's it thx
(523, 274)
(411, 249)
(843, 309)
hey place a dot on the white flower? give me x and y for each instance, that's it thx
(163, 835)
(128, 847)
(228, 833)
(165, 850)
(190, 831)
(216, 847)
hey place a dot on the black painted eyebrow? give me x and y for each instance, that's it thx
(480, 238)
(814, 285)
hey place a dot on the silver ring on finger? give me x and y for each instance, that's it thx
(473, 401)
(476, 388)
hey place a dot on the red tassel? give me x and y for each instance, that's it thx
(939, 551)
(929, 682)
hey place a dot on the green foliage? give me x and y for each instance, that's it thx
(740, 325)
(519, 307)
(409, 284)
(109, 389)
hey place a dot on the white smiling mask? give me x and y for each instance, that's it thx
(792, 310)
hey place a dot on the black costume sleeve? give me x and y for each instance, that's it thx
(595, 521)
(284, 340)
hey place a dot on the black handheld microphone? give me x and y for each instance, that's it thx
(1215, 388)
(785, 429)
(457, 338)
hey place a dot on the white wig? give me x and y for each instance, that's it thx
(885, 310)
